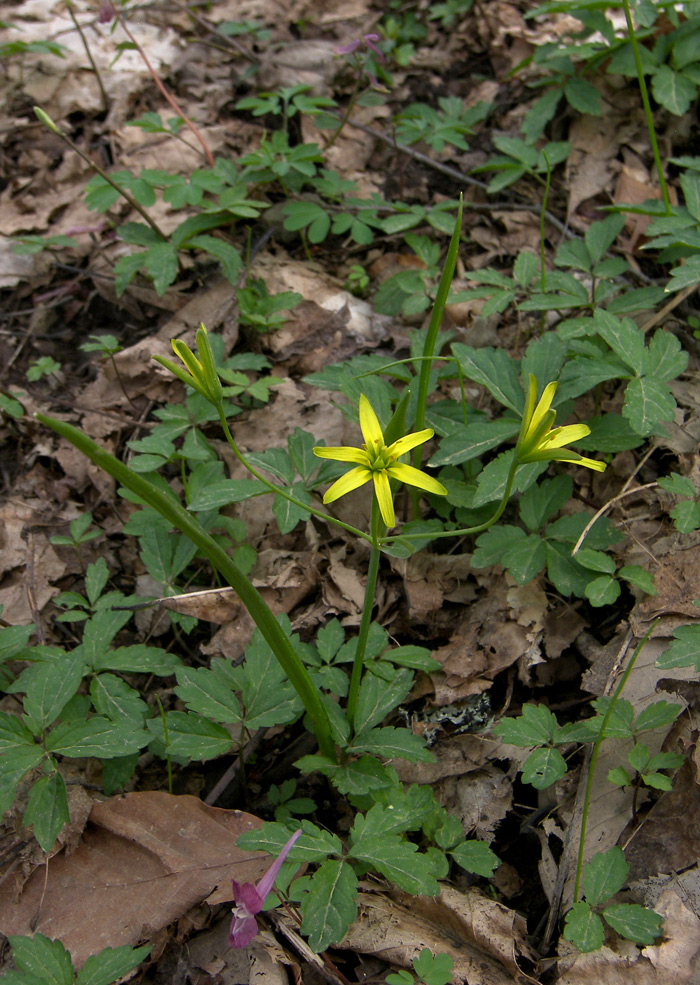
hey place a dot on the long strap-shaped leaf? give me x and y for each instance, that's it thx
(262, 615)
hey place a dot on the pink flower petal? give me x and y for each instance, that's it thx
(248, 897)
(347, 49)
(265, 884)
(243, 930)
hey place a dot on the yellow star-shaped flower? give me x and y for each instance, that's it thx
(380, 462)
(539, 442)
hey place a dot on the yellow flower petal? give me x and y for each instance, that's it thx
(371, 431)
(409, 441)
(564, 436)
(414, 477)
(542, 408)
(183, 352)
(346, 483)
(343, 454)
(591, 463)
(382, 490)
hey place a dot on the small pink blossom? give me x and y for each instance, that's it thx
(106, 14)
(367, 40)
(249, 899)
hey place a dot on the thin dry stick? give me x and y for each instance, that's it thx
(188, 123)
(605, 508)
(103, 94)
(626, 491)
(458, 176)
(659, 316)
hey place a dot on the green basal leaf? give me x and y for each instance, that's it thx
(492, 480)
(50, 685)
(354, 778)
(13, 767)
(648, 402)
(494, 543)
(526, 559)
(47, 809)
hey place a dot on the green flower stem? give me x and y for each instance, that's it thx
(377, 528)
(594, 757)
(280, 490)
(543, 258)
(262, 615)
(44, 118)
(346, 115)
(647, 105)
(467, 530)
(431, 341)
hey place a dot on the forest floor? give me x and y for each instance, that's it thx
(501, 641)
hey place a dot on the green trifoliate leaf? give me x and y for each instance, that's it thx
(330, 905)
(648, 402)
(42, 960)
(584, 928)
(50, 685)
(189, 736)
(111, 964)
(544, 767)
(605, 875)
(393, 743)
(684, 651)
(97, 736)
(204, 692)
(634, 922)
(399, 861)
(536, 726)
(47, 809)
(602, 591)
(476, 857)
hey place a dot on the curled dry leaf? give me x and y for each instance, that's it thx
(485, 939)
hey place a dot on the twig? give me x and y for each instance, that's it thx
(228, 777)
(605, 508)
(230, 41)
(626, 491)
(458, 176)
(105, 100)
(659, 316)
(181, 113)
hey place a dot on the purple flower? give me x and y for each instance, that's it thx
(367, 40)
(106, 14)
(249, 899)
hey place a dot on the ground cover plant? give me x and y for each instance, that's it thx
(350, 500)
